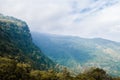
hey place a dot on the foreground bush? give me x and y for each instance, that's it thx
(13, 70)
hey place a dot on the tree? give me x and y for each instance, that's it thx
(35, 75)
(7, 69)
(22, 71)
(94, 74)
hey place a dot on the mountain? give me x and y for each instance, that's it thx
(79, 54)
(16, 43)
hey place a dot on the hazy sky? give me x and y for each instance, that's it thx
(85, 18)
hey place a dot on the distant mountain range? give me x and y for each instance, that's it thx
(16, 43)
(79, 54)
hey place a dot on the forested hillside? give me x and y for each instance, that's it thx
(79, 53)
(16, 43)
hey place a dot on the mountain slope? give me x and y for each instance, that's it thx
(16, 43)
(80, 53)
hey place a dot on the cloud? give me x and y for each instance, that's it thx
(85, 18)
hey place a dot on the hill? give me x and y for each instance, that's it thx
(16, 43)
(79, 54)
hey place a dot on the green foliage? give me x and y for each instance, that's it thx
(65, 75)
(94, 74)
(13, 70)
(35, 75)
(16, 42)
(22, 71)
(117, 78)
(7, 67)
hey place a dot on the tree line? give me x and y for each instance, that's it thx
(13, 70)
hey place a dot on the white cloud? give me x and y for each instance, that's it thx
(85, 18)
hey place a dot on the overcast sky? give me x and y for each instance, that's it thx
(84, 18)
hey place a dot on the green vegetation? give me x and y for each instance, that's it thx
(16, 43)
(13, 70)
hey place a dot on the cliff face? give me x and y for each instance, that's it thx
(16, 42)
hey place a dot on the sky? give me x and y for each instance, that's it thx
(84, 18)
